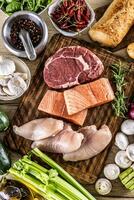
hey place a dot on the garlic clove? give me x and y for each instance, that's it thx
(130, 152)
(127, 127)
(122, 160)
(103, 186)
(111, 171)
(17, 85)
(7, 66)
(121, 141)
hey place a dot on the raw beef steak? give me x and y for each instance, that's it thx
(71, 66)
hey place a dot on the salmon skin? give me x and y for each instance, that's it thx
(88, 95)
(53, 103)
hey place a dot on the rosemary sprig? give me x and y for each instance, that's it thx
(119, 73)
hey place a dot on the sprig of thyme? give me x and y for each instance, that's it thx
(119, 73)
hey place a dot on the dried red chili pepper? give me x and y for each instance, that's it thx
(79, 14)
(65, 3)
(72, 15)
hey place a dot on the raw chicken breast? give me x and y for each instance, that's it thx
(39, 128)
(94, 142)
(64, 142)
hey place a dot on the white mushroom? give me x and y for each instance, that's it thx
(2, 93)
(103, 186)
(7, 91)
(121, 141)
(17, 85)
(4, 81)
(130, 152)
(24, 76)
(122, 160)
(127, 127)
(7, 66)
(111, 171)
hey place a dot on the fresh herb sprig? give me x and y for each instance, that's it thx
(119, 73)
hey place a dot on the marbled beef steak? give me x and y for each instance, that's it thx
(71, 66)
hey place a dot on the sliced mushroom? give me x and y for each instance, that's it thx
(127, 127)
(121, 141)
(2, 93)
(7, 66)
(24, 76)
(7, 91)
(4, 81)
(103, 186)
(17, 85)
(122, 160)
(111, 171)
(130, 152)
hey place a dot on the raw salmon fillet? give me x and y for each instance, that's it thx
(88, 95)
(53, 103)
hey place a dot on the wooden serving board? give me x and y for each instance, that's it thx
(129, 38)
(84, 171)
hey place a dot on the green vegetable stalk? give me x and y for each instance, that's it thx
(62, 173)
(5, 162)
(48, 183)
(127, 178)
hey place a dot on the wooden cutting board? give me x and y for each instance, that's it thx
(84, 171)
(129, 38)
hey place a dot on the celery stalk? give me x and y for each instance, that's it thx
(128, 178)
(62, 172)
(27, 160)
(125, 173)
(61, 185)
(66, 189)
(39, 187)
(36, 172)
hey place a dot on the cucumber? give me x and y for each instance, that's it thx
(4, 121)
(5, 162)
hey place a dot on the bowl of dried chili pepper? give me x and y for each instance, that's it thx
(71, 17)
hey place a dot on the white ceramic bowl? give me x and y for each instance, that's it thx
(52, 7)
(20, 67)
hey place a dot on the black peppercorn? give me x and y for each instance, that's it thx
(34, 30)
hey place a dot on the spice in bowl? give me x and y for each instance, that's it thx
(71, 16)
(34, 30)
